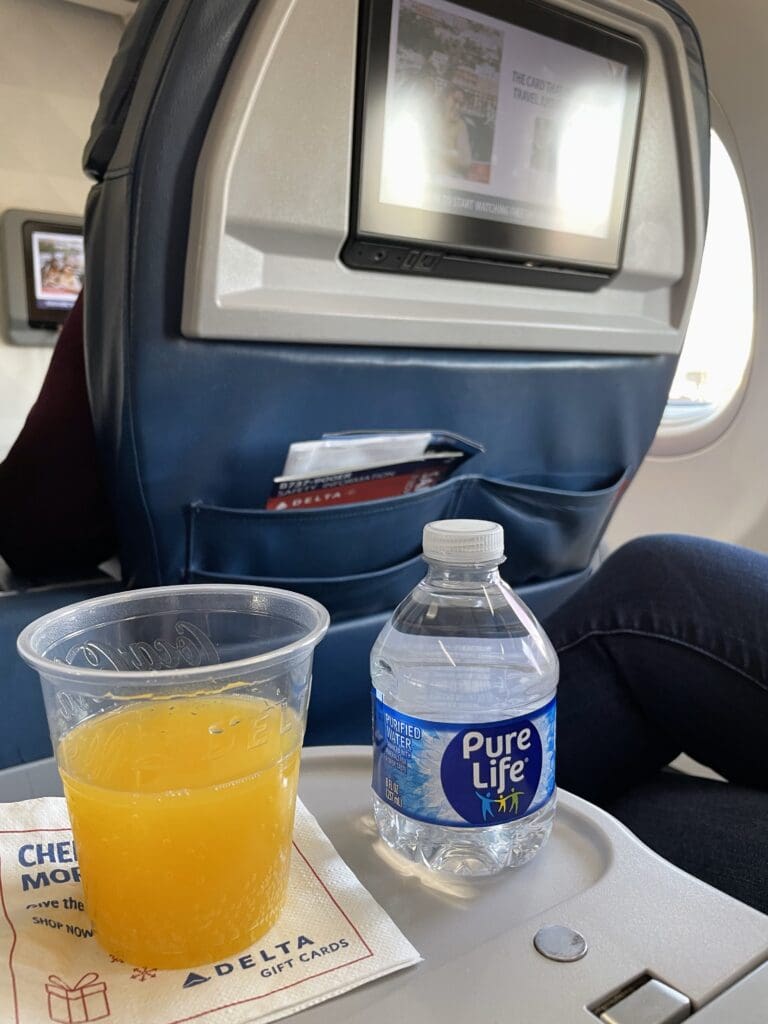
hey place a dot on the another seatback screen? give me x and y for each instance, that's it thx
(55, 267)
(496, 128)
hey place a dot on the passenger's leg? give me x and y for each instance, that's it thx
(716, 831)
(665, 650)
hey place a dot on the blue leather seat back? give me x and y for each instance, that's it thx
(192, 433)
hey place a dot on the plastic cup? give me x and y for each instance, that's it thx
(177, 716)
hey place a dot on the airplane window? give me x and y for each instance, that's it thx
(718, 345)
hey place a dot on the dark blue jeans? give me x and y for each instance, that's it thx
(665, 651)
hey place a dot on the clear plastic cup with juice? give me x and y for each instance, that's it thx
(177, 716)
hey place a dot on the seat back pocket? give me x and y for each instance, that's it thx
(355, 559)
(359, 560)
(552, 525)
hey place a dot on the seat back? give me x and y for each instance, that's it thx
(199, 382)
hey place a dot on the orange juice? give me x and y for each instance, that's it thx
(182, 812)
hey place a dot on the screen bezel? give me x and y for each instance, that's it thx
(455, 234)
(39, 317)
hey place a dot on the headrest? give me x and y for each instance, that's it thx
(699, 83)
(117, 91)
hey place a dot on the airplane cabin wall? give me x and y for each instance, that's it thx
(721, 490)
(53, 60)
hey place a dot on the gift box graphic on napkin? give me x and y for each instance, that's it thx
(79, 1004)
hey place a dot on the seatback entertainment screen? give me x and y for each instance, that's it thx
(55, 267)
(493, 130)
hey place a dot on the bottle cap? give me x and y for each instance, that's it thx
(464, 541)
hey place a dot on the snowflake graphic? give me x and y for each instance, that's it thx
(142, 973)
(115, 959)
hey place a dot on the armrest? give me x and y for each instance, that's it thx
(10, 583)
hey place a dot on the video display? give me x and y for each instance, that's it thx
(54, 257)
(513, 116)
(487, 119)
(58, 266)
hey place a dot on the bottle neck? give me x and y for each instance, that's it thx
(441, 574)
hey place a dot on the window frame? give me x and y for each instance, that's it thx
(685, 429)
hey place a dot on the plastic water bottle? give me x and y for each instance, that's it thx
(464, 682)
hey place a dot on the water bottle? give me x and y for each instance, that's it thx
(464, 681)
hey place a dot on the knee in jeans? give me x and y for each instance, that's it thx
(655, 560)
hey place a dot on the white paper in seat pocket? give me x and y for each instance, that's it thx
(329, 455)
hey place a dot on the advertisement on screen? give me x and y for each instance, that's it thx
(493, 121)
(58, 268)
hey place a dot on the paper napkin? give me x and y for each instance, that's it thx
(331, 937)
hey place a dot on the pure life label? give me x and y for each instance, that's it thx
(464, 775)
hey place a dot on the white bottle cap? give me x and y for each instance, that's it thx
(464, 541)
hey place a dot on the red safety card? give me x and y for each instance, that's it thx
(351, 486)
